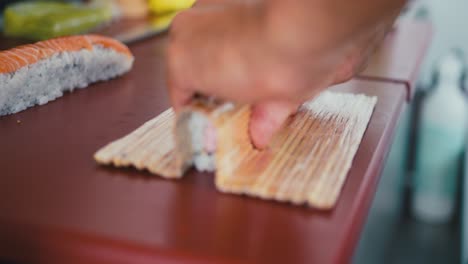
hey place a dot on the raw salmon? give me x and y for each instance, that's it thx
(13, 59)
(37, 73)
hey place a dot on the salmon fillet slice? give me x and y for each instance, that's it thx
(16, 58)
(35, 74)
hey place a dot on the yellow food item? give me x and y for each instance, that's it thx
(167, 6)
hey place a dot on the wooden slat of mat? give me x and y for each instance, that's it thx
(309, 158)
(149, 147)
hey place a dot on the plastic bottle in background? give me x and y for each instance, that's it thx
(440, 144)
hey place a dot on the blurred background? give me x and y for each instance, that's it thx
(418, 213)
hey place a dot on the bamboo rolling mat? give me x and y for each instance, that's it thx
(306, 162)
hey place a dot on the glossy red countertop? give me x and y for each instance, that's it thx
(399, 57)
(58, 206)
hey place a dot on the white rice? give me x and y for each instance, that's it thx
(203, 161)
(49, 78)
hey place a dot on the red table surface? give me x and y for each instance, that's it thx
(399, 57)
(58, 206)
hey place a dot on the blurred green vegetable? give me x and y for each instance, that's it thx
(44, 20)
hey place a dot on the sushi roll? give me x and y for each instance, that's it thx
(196, 133)
(38, 73)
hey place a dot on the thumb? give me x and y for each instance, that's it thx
(267, 118)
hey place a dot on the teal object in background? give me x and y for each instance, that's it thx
(464, 208)
(441, 143)
(440, 161)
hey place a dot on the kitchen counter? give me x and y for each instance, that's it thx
(57, 204)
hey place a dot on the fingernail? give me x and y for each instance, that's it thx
(261, 132)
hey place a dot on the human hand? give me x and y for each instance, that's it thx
(237, 51)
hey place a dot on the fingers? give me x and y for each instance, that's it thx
(267, 118)
(181, 56)
(179, 96)
(177, 77)
(205, 55)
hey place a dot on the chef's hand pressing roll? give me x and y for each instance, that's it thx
(272, 54)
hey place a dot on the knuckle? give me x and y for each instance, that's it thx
(283, 83)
